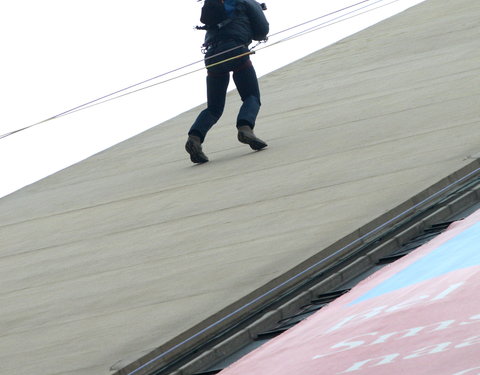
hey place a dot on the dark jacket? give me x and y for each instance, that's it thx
(248, 22)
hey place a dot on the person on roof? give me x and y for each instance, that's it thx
(231, 26)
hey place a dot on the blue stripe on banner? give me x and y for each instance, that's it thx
(460, 252)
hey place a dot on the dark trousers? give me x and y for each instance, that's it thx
(218, 78)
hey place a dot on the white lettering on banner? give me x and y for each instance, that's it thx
(469, 371)
(432, 349)
(448, 291)
(382, 339)
(410, 332)
(469, 342)
(407, 303)
(429, 350)
(363, 316)
(355, 341)
(346, 345)
(352, 344)
(476, 319)
(385, 360)
(376, 311)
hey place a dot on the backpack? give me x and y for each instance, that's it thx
(214, 14)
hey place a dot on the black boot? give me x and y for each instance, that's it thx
(246, 135)
(194, 148)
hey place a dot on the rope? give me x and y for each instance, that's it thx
(314, 28)
(331, 22)
(110, 97)
(22, 129)
(153, 85)
(317, 18)
(98, 101)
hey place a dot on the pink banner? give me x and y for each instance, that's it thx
(420, 315)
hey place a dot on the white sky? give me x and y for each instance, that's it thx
(58, 54)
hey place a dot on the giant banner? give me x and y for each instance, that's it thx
(417, 316)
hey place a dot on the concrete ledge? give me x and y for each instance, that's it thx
(343, 243)
(357, 267)
(383, 250)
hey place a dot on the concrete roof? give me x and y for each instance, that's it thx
(109, 259)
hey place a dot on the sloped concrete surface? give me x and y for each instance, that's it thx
(109, 259)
